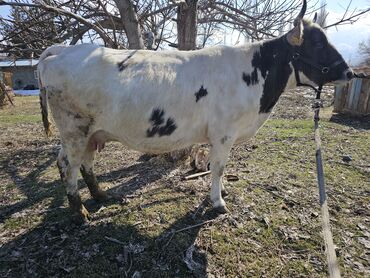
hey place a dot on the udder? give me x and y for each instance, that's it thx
(98, 139)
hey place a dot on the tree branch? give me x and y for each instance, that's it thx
(80, 19)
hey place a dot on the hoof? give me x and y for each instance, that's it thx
(115, 196)
(101, 196)
(221, 210)
(224, 193)
(81, 217)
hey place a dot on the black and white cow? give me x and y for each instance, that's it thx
(157, 102)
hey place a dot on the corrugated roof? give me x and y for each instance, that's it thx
(19, 63)
(363, 69)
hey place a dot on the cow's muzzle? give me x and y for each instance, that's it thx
(348, 74)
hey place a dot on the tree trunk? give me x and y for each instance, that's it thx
(187, 25)
(130, 23)
(186, 37)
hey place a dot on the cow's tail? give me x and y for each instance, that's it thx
(44, 110)
(51, 51)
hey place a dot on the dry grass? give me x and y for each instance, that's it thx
(273, 229)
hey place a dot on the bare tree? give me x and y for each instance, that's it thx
(364, 49)
(131, 24)
(186, 24)
(349, 16)
(117, 24)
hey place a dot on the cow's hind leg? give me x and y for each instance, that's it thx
(62, 163)
(69, 161)
(74, 128)
(218, 158)
(75, 156)
(87, 172)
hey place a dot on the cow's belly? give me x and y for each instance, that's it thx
(137, 134)
(134, 131)
(160, 144)
(248, 128)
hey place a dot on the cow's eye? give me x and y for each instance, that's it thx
(319, 45)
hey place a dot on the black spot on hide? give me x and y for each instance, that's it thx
(157, 117)
(84, 129)
(201, 93)
(272, 60)
(224, 139)
(61, 169)
(160, 126)
(122, 65)
(251, 78)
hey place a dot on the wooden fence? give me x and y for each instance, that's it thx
(353, 98)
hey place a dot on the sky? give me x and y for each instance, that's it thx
(346, 38)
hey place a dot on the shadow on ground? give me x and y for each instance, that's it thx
(57, 247)
(357, 122)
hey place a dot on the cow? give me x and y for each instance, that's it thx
(157, 102)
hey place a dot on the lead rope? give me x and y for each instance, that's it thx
(328, 237)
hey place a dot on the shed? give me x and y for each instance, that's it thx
(23, 73)
(6, 77)
(353, 97)
(6, 93)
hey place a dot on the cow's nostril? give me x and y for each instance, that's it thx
(349, 74)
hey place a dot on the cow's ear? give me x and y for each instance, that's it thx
(295, 36)
(315, 18)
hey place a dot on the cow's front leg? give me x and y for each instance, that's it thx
(218, 158)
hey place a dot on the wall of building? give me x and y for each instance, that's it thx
(22, 76)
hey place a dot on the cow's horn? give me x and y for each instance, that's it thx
(301, 13)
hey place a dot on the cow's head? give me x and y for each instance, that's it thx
(313, 56)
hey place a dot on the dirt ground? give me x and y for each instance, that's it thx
(164, 225)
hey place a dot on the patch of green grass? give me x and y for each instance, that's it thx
(22, 222)
(10, 193)
(284, 128)
(19, 118)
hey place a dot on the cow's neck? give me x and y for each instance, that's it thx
(272, 59)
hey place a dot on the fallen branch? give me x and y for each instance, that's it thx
(276, 194)
(197, 175)
(114, 240)
(172, 233)
(194, 226)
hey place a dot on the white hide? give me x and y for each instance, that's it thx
(92, 101)
(121, 102)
